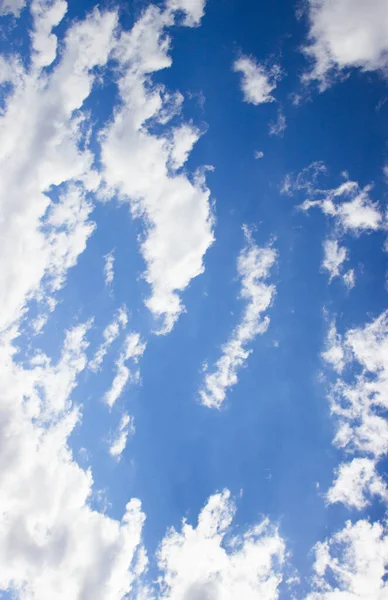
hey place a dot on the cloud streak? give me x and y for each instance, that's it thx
(253, 266)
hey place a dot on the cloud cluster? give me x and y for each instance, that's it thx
(352, 564)
(358, 400)
(346, 34)
(349, 207)
(52, 543)
(254, 266)
(209, 562)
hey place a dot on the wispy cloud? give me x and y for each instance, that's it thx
(133, 349)
(126, 427)
(110, 334)
(254, 265)
(279, 126)
(357, 399)
(109, 272)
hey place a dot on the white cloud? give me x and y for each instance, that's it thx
(52, 543)
(109, 272)
(278, 127)
(306, 180)
(118, 443)
(40, 237)
(357, 400)
(334, 257)
(254, 265)
(209, 562)
(193, 9)
(355, 483)
(258, 154)
(133, 349)
(257, 82)
(349, 279)
(335, 352)
(140, 166)
(110, 334)
(350, 206)
(352, 564)
(345, 34)
(11, 7)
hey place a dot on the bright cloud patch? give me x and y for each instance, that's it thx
(345, 34)
(350, 206)
(355, 482)
(352, 564)
(208, 561)
(257, 82)
(357, 401)
(145, 169)
(254, 265)
(51, 541)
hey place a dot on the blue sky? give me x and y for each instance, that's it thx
(193, 323)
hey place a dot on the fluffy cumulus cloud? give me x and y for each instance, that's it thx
(358, 400)
(352, 564)
(254, 266)
(52, 543)
(209, 562)
(345, 34)
(132, 351)
(41, 237)
(355, 481)
(146, 169)
(257, 82)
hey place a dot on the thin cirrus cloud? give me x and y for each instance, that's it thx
(257, 81)
(344, 34)
(254, 266)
